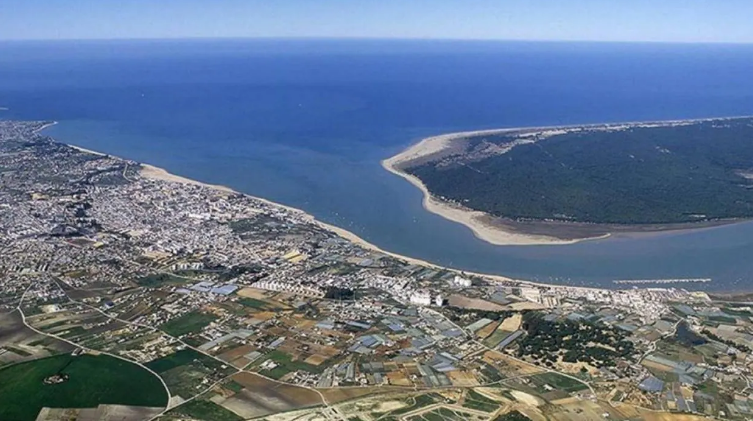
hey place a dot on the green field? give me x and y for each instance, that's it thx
(254, 303)
(92, 380)
(495, 338)
(512, 416)
(158, 279)
(204, 410)
(479, 402)
(185, 370)
(286, 365)
(558, 381)
(443, 414)
(188, 323)
(234, 386)
(183, 357)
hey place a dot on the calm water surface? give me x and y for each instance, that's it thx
(305, 123)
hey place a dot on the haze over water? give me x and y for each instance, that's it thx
(305, 123)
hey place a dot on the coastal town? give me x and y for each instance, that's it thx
(245, 309)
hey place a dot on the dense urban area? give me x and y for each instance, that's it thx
(127, 295)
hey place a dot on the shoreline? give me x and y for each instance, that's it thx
(158, 173)
(470, 218)
(498, 234)
(153, 172)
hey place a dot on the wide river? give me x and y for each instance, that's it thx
(305, 123)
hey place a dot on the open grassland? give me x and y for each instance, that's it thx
(258, 304)
(92, 380)
(410, 404)
(187, 323)
(21, 343)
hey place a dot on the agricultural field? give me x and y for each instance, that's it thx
(285, 365)
(186, 371)
(91, 381)
(479, 402)
(101, 412)
(200, 409)
(558, 381)
(253, 303)
(188, 323)
(157, 280)
(509, 367)
(19, 343)
(341, 394)
(249, 395)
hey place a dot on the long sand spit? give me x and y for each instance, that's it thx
(473, 219)
(477, 221)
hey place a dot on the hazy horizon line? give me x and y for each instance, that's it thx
(366, 38)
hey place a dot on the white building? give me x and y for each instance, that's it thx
(422, 298)
(531, 294)
(461, 282)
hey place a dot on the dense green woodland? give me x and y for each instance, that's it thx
(633, 176)
(594, 343)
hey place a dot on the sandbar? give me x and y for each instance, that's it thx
(434, 147)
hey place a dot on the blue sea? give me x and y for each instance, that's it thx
(306, 123)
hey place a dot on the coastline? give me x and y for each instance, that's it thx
(156, 173)
(473, 219)
(494, 230)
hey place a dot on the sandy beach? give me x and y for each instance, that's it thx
(157, 173)
(475, 220)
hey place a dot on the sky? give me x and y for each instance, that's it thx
(556, 20)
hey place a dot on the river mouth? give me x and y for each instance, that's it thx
(249, 121)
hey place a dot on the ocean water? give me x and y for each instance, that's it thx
(306, 122)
